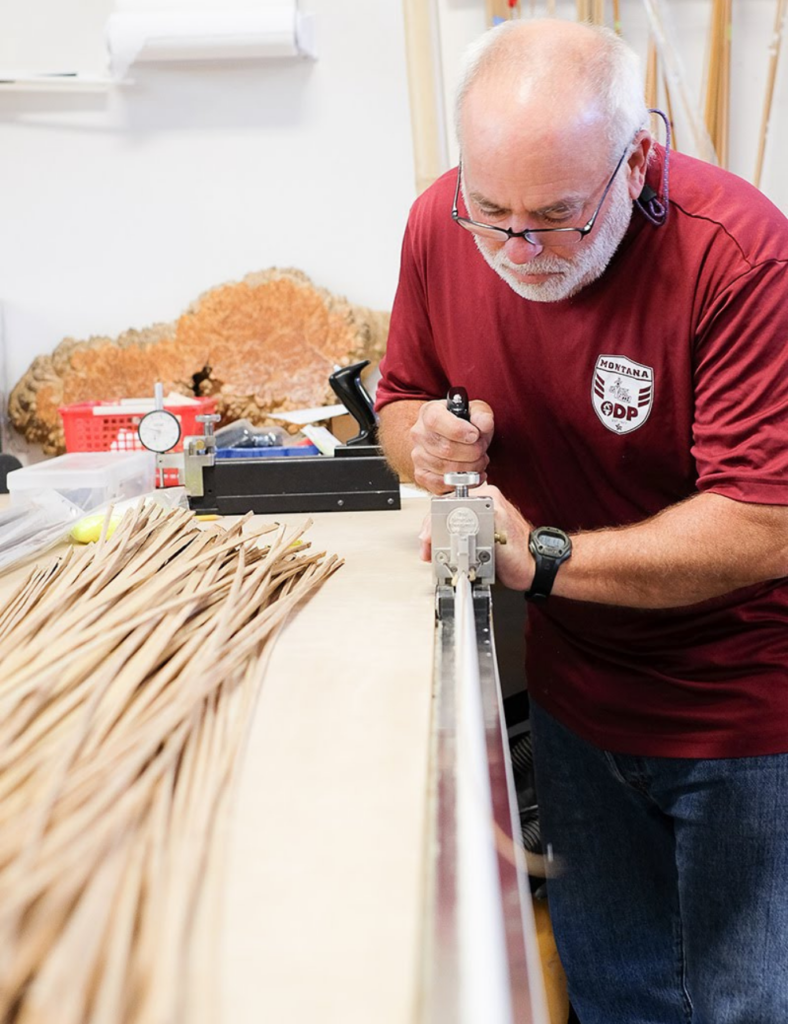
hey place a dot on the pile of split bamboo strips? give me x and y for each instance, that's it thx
(125, 697)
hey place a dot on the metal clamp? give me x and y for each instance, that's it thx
(463, 532)
(199, 451)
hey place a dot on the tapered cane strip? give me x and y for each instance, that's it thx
(774, 57)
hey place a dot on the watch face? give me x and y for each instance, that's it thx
(159, 431)
(550, 547)
(551, 542)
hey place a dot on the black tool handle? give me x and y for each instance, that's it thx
(8, 463)
(457, 402)
(353, 395)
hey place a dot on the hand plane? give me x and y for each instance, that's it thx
(355, 478)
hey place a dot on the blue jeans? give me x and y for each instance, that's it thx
(670, 902)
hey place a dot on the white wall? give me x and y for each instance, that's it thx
(119, 207)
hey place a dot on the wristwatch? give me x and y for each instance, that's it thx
(550, 547)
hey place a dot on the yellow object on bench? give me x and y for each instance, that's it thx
(88, 528)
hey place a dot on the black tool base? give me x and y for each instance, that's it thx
(312, 484)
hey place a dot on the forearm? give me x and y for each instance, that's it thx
(699, 549)
(394, 425)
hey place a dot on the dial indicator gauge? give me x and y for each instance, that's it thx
(159, 431)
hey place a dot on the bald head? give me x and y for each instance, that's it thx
(547, 77)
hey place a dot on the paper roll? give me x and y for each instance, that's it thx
(148, 35)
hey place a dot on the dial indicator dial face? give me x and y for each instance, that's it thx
(159, 431)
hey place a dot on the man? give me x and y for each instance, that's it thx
(630, 386)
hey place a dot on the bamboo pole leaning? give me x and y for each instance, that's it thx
(774, 57)
(675, 78)
(134, 667)
(652, 77)
(717, 104)
(652, 91)
(425, 91)
(725, 83)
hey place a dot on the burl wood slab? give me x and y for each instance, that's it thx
(263, 345)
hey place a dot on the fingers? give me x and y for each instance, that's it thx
(482, 418)
(514, 565)
(425, 539)
(435, 422)
(443, 443)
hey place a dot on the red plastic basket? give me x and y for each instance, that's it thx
(87, 429)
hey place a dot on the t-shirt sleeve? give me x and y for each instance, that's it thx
(740, 433)
(410, 368)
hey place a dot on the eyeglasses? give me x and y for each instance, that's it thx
(536, 236)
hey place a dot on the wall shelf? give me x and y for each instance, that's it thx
(19, 81)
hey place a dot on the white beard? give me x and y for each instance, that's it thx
(568, 275)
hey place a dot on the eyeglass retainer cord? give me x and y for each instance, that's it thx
(652, 207)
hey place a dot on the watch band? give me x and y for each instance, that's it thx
(550, 548)
(542, 583)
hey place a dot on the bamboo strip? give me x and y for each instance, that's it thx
(651, 87)
(26, 596)
(46, 904)
(112, 1003)
(725, 84)
(428, 116)
(709, 107)
(774, 57)
(62, 985)
(671, 119)
(717, 104)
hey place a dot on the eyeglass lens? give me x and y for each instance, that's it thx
(548, 239)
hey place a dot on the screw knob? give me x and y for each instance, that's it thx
(461, 479)
(461, 482)
(208, 419)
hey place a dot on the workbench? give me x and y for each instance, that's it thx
(325, 883)
(326, 865)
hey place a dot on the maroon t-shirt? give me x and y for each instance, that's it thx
(667, 376)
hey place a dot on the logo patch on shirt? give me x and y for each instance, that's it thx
(622, 393)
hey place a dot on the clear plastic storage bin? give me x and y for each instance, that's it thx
(88, 479)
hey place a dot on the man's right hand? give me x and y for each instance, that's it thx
(443, 443)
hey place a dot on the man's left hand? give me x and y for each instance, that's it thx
(514, 565)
